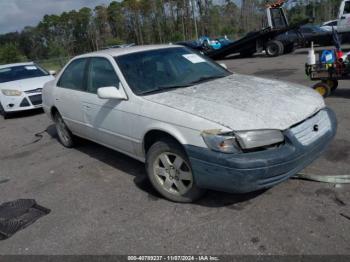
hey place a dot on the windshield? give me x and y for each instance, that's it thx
(157, 70)
(21, 72)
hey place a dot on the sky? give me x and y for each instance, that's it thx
(16, 14)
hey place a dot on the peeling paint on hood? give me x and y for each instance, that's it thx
(242, 102)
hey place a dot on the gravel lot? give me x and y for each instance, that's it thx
(102, 204)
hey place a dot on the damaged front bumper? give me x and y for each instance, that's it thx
(247, 172)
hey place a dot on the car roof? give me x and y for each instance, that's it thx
(128, 50)
(16, 64)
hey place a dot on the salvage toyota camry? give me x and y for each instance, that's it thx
(196, 125)
(20, 87)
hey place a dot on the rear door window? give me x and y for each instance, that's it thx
(73, 76)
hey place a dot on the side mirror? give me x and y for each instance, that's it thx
(52, 72)
(111, 92)
(223, 65)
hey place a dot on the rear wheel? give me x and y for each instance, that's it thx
(274, 48)
(170, 172)
(332, 83)
(65, 136)
(322, 88)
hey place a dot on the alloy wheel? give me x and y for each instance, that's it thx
(173, 173)
(62, 130)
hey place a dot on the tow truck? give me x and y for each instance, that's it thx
(276, 23)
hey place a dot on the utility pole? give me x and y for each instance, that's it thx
(194, 18)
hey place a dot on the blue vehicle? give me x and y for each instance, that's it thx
(206, 44)
(215, 44)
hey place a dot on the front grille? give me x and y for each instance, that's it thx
(38, 90)
(24, 103)
(36, 99)
(313, 128)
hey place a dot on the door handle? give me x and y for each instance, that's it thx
(342, 17)
(87, 107)
(57, 99)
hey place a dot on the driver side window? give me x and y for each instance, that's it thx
(73, 76)
(100, 74)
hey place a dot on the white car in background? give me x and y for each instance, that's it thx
(20, 87)
(329, 25)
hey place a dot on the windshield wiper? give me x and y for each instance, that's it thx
(163, 88)
(205, 79)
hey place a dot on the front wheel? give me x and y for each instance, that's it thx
(3, 112)
(65, 136)
(274, 48)
(170, 172)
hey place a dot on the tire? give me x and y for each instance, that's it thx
(322, 88)
(281, 47)
(4, 114)
(332, 83)
(169, 170)
(65, 136)
(274, 48)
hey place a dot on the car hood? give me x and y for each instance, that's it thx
(241, 102)
(27, 84)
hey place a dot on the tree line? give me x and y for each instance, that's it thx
(145, 22)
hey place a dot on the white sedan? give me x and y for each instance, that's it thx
(20, 87)
(195, 125)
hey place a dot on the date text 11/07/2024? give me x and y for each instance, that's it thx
(173, 258)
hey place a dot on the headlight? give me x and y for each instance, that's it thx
(234, 142)
(10, 92)
(225, 143)
(259, 138)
